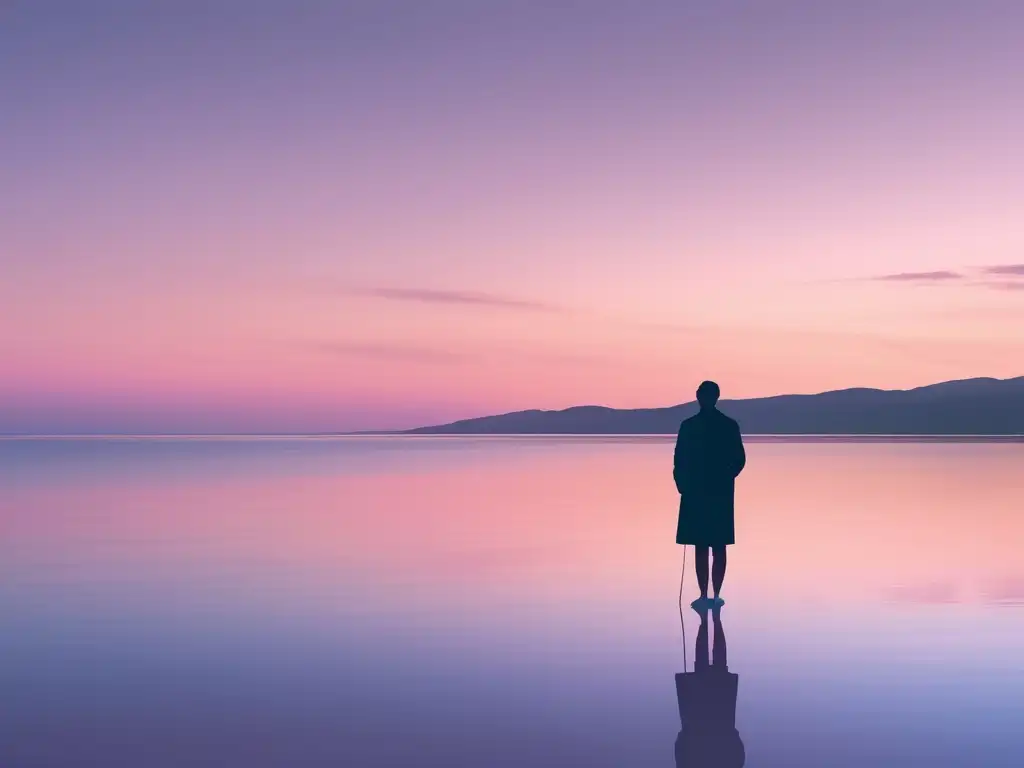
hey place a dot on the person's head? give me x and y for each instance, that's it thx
(707, 394)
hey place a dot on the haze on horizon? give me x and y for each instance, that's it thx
(309, 216)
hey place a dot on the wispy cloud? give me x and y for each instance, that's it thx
(391, 352)
(1006, 270)
(939, 276)
(977, 278)
(417, 353)
(455, 298)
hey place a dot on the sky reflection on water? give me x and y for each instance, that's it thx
(499, 603)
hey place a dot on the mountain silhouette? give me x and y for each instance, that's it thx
(982, 406)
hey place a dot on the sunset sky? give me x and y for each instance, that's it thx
(276, 216)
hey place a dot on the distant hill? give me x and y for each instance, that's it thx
(981, 406)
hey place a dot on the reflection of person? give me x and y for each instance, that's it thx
(709, 456)
(707, 706)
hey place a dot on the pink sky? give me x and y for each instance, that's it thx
(285, 219)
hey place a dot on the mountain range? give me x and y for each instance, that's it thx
(981, 406)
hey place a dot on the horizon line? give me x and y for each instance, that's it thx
(416, 434)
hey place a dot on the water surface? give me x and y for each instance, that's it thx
(499, 602)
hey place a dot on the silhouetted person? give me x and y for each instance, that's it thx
(709, 456)
(707, 706)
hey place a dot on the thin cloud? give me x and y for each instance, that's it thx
(398, 352)
(455, 298)
(939, 276)
(392, 352)
(1006, 285)
(1006, 270)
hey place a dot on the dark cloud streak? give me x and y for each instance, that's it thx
(455, 298)
(1008, 273)
(939, 276)
(1006, 270)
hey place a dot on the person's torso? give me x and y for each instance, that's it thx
(707, 449)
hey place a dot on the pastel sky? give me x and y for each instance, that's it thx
(267, 216)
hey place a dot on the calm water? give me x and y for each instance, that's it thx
(499, 602)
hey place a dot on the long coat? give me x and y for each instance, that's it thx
(709, 456)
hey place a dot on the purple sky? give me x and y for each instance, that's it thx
(312, 216)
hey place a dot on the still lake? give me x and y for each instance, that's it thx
(422, 601)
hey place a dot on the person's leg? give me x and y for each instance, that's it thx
(718, 572)
(702, 657)
(700, 564)
(719, 650)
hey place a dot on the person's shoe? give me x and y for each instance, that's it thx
(701, 604)
(717, 602)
